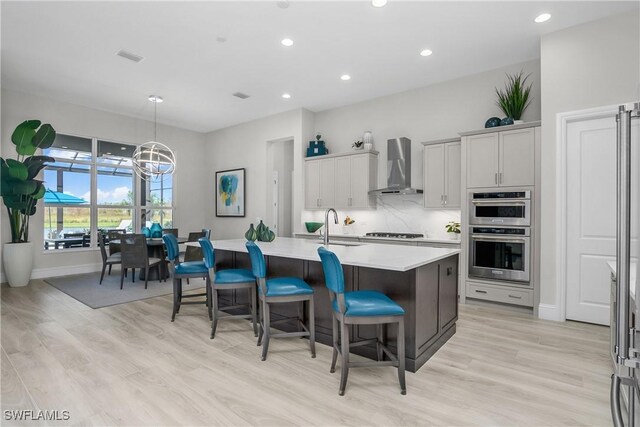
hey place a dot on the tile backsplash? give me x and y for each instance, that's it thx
(392, 213)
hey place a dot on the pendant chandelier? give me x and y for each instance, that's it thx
(152, 160)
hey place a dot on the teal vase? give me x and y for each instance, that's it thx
(251, 234)
(271, 236)
(260, 229)
(146, 232)
(156, 230)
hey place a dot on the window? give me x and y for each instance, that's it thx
(92, 187)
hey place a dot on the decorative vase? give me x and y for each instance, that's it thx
(368, 146)
(492, 122)
(146, 232)
(156, 230)
(18, 263)
(506, 121)
(270, 235)
(368, 139)
(251, 234)
(260, 230)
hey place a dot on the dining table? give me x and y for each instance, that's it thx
(155, 248)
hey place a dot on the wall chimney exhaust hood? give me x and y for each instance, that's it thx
(398, 169)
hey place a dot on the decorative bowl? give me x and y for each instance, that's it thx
(312, 227)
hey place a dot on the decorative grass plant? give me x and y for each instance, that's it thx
(515, 97)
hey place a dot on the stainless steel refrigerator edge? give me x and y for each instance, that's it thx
(625, 353)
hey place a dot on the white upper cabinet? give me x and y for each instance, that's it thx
(341, 181)
(482, 160)
(501, 159)
(517, 157)
(441, 167)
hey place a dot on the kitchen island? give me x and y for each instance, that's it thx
(424, 281)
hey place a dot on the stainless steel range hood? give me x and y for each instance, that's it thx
(398, 169)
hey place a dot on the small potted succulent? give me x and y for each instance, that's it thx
(358, 144)
(453, 230)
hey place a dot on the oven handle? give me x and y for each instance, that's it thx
(500, 202)
(501, 238)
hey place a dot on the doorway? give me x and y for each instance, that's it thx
(589, 222)
(280, 188)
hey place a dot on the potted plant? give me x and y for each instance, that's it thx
(20, 192)
(453, 228)
(515, 97)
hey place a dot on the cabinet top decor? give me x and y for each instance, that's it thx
(349, 153)
(501, 128)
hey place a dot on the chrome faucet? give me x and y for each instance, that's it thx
(326, 224)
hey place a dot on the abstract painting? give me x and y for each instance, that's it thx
(230, 186)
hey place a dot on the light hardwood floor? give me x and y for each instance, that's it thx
(129, 365)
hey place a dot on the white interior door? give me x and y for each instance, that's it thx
(591, 217)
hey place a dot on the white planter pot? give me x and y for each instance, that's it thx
(18, 263)
(454, 236)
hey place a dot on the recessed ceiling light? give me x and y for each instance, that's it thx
(286, 95)
(425, 52)
(378, 3)
(155, 98)
(543, 17)
(287, 42)
(345, 77)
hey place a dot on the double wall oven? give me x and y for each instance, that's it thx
(500, 236)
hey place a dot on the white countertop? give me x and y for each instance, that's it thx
(358, 236)
(632, 276)
(388, 257)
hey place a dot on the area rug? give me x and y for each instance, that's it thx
(86, 288)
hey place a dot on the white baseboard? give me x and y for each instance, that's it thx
(549, 312)
(67, 270)
(43, 273)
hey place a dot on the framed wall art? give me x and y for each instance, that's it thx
(230, 190)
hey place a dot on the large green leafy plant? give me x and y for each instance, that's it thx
(19, 189)
(515, 97)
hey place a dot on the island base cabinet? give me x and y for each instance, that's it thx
(428, 295)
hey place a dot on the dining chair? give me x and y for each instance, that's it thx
(193, 253)
(228, 279)
(206, 233)
(185, 270)
(173, 231)
(107, 260)
(361, 308)
(114, 234)
(280, 290)
(134, 254)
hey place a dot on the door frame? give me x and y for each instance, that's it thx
(562, 122)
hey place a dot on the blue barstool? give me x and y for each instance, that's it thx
(235, 278)
(361, 308)
(279, 290)
(185, 270)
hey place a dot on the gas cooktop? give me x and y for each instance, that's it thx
(395, 235)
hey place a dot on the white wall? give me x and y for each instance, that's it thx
(590, 65)
(245, 146)
(191, 197)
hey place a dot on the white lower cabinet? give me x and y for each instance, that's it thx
(499, 293)
(341, 181)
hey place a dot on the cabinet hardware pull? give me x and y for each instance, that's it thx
(441, 199)
(481, 292)
(514, 296)
(495, 177)
(446, 199)
(500, 178)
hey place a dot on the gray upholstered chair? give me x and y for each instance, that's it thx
(107, 260)
(135, 255)
(112, 235)
(173, 231)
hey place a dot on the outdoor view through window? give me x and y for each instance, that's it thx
(91, 188)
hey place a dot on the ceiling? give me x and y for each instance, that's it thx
(66, 51)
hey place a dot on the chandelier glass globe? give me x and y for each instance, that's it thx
(152, 160)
